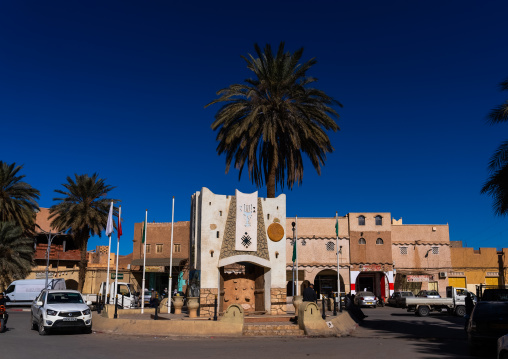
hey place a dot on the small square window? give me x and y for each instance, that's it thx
(330, 246)
(403, 250)
(177, 248)
(435, 250)
(147, 248)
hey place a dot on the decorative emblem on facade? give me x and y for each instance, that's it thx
(246, 221)
(275, 232)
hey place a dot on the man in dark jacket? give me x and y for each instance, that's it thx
(309, 295)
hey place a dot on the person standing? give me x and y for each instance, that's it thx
(309, 294)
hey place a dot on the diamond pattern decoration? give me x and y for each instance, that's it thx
(246, 240)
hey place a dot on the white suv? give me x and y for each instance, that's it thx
(54, 309)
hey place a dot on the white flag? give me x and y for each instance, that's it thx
(109, 227)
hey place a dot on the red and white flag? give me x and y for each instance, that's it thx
(119, 222)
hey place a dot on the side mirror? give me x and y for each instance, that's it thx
(39, 303)
(89, 302)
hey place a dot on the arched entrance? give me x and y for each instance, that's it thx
(71, 284)
(375, 282)
(243, 283)
(326, 282)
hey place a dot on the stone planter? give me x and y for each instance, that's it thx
(178, 304)
(297, 300)
(192, 306)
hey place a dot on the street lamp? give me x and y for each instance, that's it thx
(50, 237)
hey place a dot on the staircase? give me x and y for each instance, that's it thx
(272, 329)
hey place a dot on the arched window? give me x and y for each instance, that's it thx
(379, 220)
(361, 220)
(361, 241)
(379, 241)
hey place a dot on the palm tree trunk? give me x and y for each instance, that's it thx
(82, 263)
(270, 181)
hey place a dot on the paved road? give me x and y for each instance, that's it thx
(386, 333)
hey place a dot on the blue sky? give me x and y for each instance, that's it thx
(119, 88)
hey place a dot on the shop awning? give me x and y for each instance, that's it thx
(159, 262)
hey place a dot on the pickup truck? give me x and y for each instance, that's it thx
(127, 297)
(454, 303)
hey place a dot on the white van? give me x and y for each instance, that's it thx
(23, 292)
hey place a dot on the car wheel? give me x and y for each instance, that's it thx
(423, 311)
(33, 326)
(42, 330)
(460, 311)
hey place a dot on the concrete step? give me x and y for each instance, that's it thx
(272, 330)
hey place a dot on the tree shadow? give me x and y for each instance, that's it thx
(445, 337)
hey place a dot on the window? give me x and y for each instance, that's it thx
(158, 248)
(361, 241)
(177, 248)
(10, 289)
(435, 250)
(330, 246)
(403, 250)
(147, 248)
(379, 241)
(379, 221)
(361, 220)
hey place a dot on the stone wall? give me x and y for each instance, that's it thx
(278, 301)
(207, 301)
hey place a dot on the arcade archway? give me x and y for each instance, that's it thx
(326, 282)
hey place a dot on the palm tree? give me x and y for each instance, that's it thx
(83, 211)
(18, 200)
(497, 184)
(270, 120)
(16, 253)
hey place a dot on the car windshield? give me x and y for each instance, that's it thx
(494, 310)
(367, 294)
(62, 298)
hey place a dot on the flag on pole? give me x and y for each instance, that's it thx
(337, 226)
(294, 247)
(144, 232)
(119, 222)
(109, 226)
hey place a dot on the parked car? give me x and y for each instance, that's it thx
(488, 322)
(60, 309)
(395, 297)
(428, 294)
(365, 299)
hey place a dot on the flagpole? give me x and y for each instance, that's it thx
(338, 253)
(144, 263)
(170, 288)
(117, 252)
(109, 251)
(296, 251)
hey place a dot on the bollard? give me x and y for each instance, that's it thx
(123, 296)
(98, 304)
(340, 304)
(324, 307)
(335, 304)
(116, 307)
(155, 317)
(215, 308)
